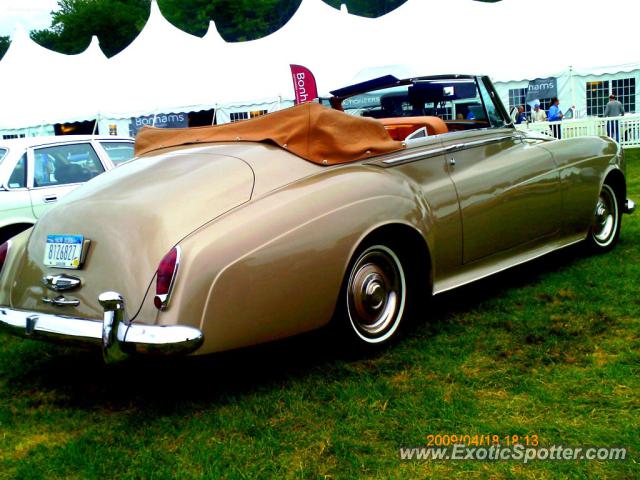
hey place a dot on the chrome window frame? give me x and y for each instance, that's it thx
(5, 183)
(31, 163)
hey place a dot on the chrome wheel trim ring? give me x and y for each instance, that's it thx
(606, 217)
(376, 294)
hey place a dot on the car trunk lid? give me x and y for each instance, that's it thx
(132, 215)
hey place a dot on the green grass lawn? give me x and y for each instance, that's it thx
(550, 348)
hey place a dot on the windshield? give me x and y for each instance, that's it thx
(3, 152)
(447, 99)
(119, 152)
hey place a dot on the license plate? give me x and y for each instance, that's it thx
(63, 251)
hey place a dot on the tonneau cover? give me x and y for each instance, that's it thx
(318, 134)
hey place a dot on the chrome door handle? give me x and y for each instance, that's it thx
(50, 199)
(452, 161)
(61, 301)
(60, 282)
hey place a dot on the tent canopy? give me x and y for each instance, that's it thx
(40, 86)
(168, 70)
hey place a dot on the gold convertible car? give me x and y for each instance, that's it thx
(220, 237)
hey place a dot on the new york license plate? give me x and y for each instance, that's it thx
(63, 251)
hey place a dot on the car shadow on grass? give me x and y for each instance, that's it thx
(79, 379)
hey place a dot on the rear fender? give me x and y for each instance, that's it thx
(583, 163)
(273, 268)
(12, 264)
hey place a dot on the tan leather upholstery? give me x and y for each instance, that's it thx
(401, 127)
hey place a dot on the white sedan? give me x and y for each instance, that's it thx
(36, 172)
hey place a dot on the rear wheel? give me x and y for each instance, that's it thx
(605, 229)
(374, 296)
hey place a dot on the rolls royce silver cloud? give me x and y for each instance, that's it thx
(227, 236)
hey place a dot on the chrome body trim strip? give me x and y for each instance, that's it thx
(507, 263)
(415, 155)
(479, 143)
(118, 337)
(419, 155)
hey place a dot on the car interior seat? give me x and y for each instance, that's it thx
(401, 127)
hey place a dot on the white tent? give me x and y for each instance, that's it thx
(256, 75)
(42, 87)
(161, 71)
(166, 70)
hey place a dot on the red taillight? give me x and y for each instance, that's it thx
(4, 248)
(165, 277)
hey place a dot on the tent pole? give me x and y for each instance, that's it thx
(573, 96)
(213, 119)
(95, 126)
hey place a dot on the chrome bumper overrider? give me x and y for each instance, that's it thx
(118, 337)
(629, 206)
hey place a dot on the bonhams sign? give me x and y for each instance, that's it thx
(542, 88)
(304, 84)
(161, 120)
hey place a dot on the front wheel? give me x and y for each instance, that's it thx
(605, 229)
(374, 297)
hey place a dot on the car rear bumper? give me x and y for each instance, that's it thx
(118, 337)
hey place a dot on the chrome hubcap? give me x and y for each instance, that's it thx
(606, 217)
(376, 294)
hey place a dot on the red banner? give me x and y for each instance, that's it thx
(304, 84)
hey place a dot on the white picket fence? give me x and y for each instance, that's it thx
(625, 130)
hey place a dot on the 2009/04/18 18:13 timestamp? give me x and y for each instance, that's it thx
(476, 440)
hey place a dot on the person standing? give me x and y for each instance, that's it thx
(521, 117)
(538, 114)
(513, 114)
(555, 115)
(614, 109)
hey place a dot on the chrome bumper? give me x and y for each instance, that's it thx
(118, 337)
(629, 206)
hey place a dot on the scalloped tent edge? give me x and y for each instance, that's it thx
(173, 71)
(27, 100)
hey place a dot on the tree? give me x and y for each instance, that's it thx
(118, 22)
(367, 8)
(237, 20)
(115, 22)
(4, 45)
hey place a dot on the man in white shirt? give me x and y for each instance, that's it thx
(538, 114)
(513, 114)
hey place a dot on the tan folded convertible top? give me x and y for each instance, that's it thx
(311, 131)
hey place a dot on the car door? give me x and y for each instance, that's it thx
(425, 164)
(15, 202)
(56, 170)
(508, 190)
